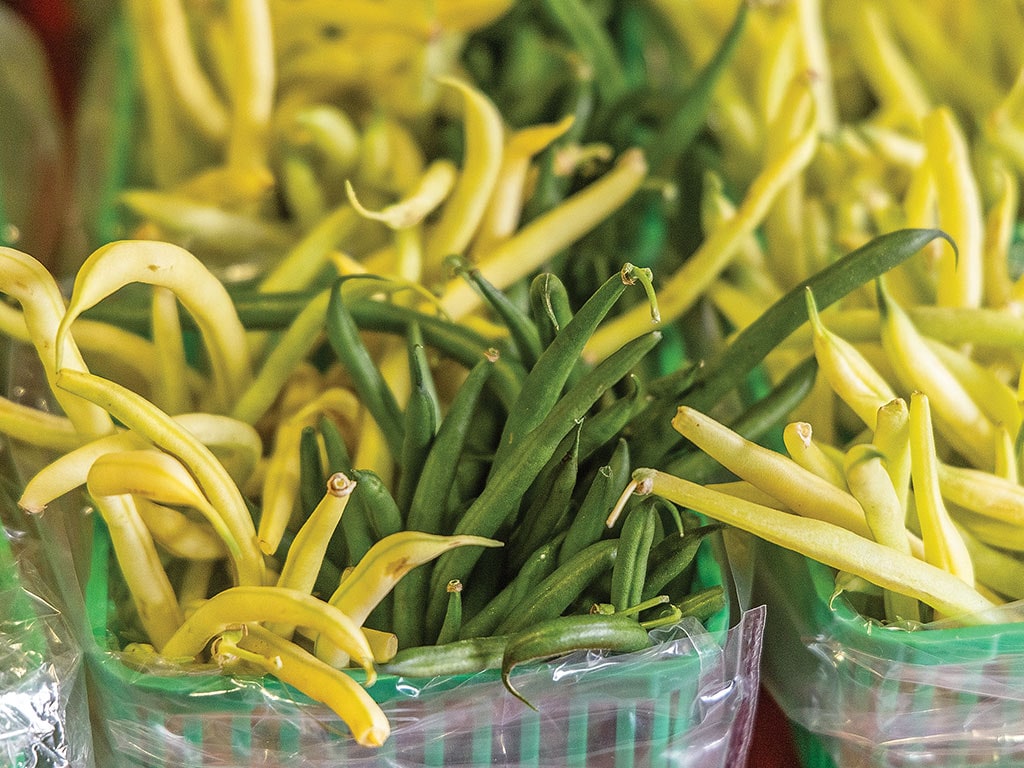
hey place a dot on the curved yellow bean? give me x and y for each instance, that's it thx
(244, 605)
(434, 187)
(118, 264)
(180, 535)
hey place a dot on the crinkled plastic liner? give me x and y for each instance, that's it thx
(686, 701)
(43, 712)
(864, 695)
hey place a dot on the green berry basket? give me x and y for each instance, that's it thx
(861, 695)
(689, 700)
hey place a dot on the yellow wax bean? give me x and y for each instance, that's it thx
(815, 59)
(304, 260)
(1002, 127)
(780, 65)
(466, 15)
(943, 546)
(293, 346)
(538, 241)
(959, 418)
(170, 390)
(995, 533)
(387, 561)
(333, 135)
(243, 605)
(830, 544)
(164, 28)
(798, 438)
(993, 395)
(281, 482)
(683, 287)
(118, 264)
(983, 493)
(161, 478)
(194, 587)
(1006, 455)
(35, 427)
(997, 570)
(892, 438)
(503, 212)
(462, 213)
(291, 664)
(142, 416)
(140, 565)
(178, 534)
(850, 375)
(999, 225)
(252, 83)
(882, 62)
(237, 445)
(961, 274)
(306, 554)
(777, 475)
(29, 283)
(434, 186)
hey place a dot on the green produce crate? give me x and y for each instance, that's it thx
(862, 695)
(687, 701)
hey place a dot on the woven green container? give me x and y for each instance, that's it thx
(691, 697)
(862, 695)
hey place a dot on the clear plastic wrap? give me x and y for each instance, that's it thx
(44, 717)
(860, 694)
(689, 700)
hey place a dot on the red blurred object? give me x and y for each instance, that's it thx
(772, 745)
(54, 22)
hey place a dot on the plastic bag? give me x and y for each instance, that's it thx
(43, 709)
(861, 694)
(689, 700)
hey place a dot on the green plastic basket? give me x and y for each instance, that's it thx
(862, 695)
(688, 701)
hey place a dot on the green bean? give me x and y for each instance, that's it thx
(453, 616)
(679, 131)
(521, 328)
(543, 385)
(377, 504)
(549, 509)
(566, 583)
(460, 657)
(575, 19)
(787, 314)
(343, 335)
(537, 567)
(604, 426)
(588, 524)
(506, 486)
(312, 478)
(422, 415)
(549, 304)
(335, 450)
(557, 637)
(704, 604)
(672, 557)
(630, 570)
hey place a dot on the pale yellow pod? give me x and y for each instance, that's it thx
(162, 431)
(1000, 571)
(39, 428)
(170, 388)
(528, 250)
(999, 225)
(291, 664)
(994, 396)
(281, 481)
(464, 209)
(243, 605)
(960, 274)
(777, 475)
(983, 493)
(830, 544)
(892, 438)
(252, 83)
(113, 266)
(147, 582)
(958, 416)
(387, 561)
(178, 534)
(434, 187)
(848, 372)
(798, 437)
(29, 283)
(303, 260)
(943, 546)
(158, 477)
(309, 547)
